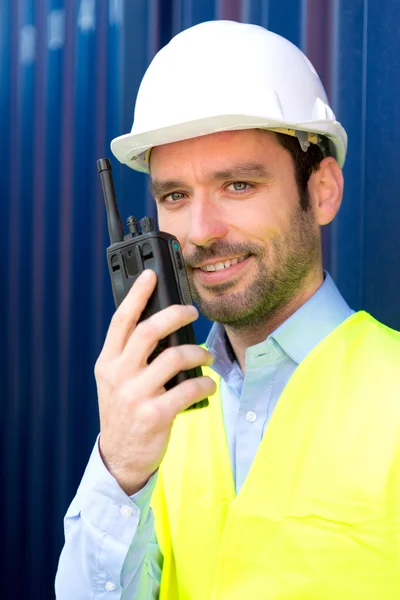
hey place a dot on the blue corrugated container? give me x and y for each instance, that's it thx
(69, 73)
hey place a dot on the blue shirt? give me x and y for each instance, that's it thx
(110, 549)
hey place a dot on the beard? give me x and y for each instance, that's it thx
(280, 271)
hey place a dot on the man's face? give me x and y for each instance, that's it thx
(232, 201)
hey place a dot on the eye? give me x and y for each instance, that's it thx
(240, 186)
(172, 197)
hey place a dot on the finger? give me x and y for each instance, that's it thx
(149, 332)
(128, 313)
(180, 397)
(172, 361)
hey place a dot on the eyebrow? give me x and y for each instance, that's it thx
(238, 171)
(158, 187)
(241, 170)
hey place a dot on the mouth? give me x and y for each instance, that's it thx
(222, 270)
(222, 264)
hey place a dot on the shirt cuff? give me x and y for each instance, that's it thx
(142, 498)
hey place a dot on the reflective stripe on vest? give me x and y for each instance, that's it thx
(318, 516)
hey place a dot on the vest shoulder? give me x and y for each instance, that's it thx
(364, 328)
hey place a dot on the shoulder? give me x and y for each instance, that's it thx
(364, 347)
(372, 333)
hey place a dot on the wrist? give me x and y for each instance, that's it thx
(129, 480)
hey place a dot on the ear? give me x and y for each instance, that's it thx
(325, 187)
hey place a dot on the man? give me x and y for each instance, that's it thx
(288, 485)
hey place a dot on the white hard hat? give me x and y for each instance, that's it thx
(224, 75)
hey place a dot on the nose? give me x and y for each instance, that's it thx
(206, 222)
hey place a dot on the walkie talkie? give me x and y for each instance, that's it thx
(144, 247)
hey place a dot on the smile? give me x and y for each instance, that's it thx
(219, 266)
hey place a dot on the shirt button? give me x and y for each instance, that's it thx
(125, 510)
(251, 416)
(110, 586)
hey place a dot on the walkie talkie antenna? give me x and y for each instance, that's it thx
(115, 227)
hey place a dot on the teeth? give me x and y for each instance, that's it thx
(229, 263)
(223, 265)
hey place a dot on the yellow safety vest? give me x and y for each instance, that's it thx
(318, 516)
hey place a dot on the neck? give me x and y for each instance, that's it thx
(241, 339)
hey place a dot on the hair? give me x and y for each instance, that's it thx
(304, 163)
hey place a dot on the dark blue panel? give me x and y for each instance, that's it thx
(5, 137)
(54, 424)
(349, 72)
(285, 18)
(190, 12)
(382, 173)
(81, 232)
(20, 296)
(40, 467)
(11, 442)
(109, 120)
(5, 64)
(63, 425)
(51, 303)
(199, 12)
(131, 186)
(165, 15)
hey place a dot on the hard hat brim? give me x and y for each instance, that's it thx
(131, 148)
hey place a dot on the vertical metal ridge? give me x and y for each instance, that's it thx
(5, 137)
(37, 454)
(99, 244)
(363, 149)
(318, 40)
(64, 250)
(318, 48)
(230, 10)
(13, 442)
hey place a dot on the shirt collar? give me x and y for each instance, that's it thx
(298, 335)
(218, 344)
(313, 321)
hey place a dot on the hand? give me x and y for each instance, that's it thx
(136, 412)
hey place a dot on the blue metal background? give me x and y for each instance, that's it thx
(69, 73)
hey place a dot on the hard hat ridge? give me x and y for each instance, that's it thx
(224, 75)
